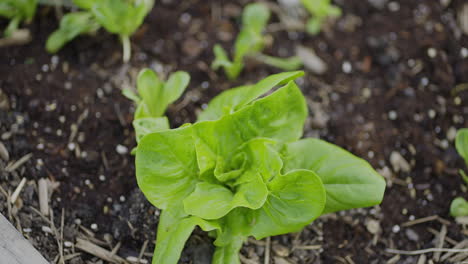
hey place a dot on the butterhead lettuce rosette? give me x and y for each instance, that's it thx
(243, 170)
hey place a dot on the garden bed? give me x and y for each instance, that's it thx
(387, 97)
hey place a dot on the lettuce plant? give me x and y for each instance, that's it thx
(250, 42)
(320, 11)
(459, 206)
(243, 170)
(121, 17)
(154, 95)
(17, 11)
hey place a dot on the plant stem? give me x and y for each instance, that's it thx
(127, 48)
(13, 26)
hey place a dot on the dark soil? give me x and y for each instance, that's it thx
(385, 92)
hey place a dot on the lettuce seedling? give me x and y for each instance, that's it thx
(121, 17)
(459, 206)
(320, 11)
(17, 11)
(152, 100)
(71, 25)
(242, 170)
(250, 42)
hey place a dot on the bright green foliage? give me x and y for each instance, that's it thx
(320, 11)
(152, 100)
(241, 170)
(121, 17)
(17, 11)
(71, 25)
(250, 42)
(461, 143)
(459, 207)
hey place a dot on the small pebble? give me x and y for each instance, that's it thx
(393, 6)
(373, 226)
(392, 115)
(71, 146)
(431, 113)
(346, 67)
(102, 177)
(396, 229)
(94, 226)
(464, 53)
(431, 52)
(68, 244)
(78, 221)
(122, 198)
(27, 230)
(133, 259)
(122, 150)
(451, 133)
(411, 234)
(46, 229)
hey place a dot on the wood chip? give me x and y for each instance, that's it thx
(394, 259)
(425, 251)
(43, 196)
(17, 191)
(422, 259)
(245, 260)
(310, 60)
(421, 220)
(463, 220)
(18, 37)
(13, 166)
(267, 251)
(4, 152)
(461, 245)
(440, 242)
(95, 250)
(463, 18)
(14, 248)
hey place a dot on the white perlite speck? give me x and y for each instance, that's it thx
(121, 149)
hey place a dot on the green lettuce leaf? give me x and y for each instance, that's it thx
(279, 116)
(234, 99)
(174, 229)
(294, 201)
(350, 182)
(148, 125)
(461, 143)
(166, 166)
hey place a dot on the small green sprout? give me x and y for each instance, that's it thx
(243, 170)
(153, 98)
(459, 206)
(251, 42)
(320, 11)
(17, 11)
(121, 17)
(71, 26)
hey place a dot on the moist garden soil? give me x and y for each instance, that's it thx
(387, 96)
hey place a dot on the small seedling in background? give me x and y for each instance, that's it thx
(251, 42)
(242, 170)
(459, 206)
(153, 98)
(17, 11)
(121, 17)
(320, 10)
(71, 26)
